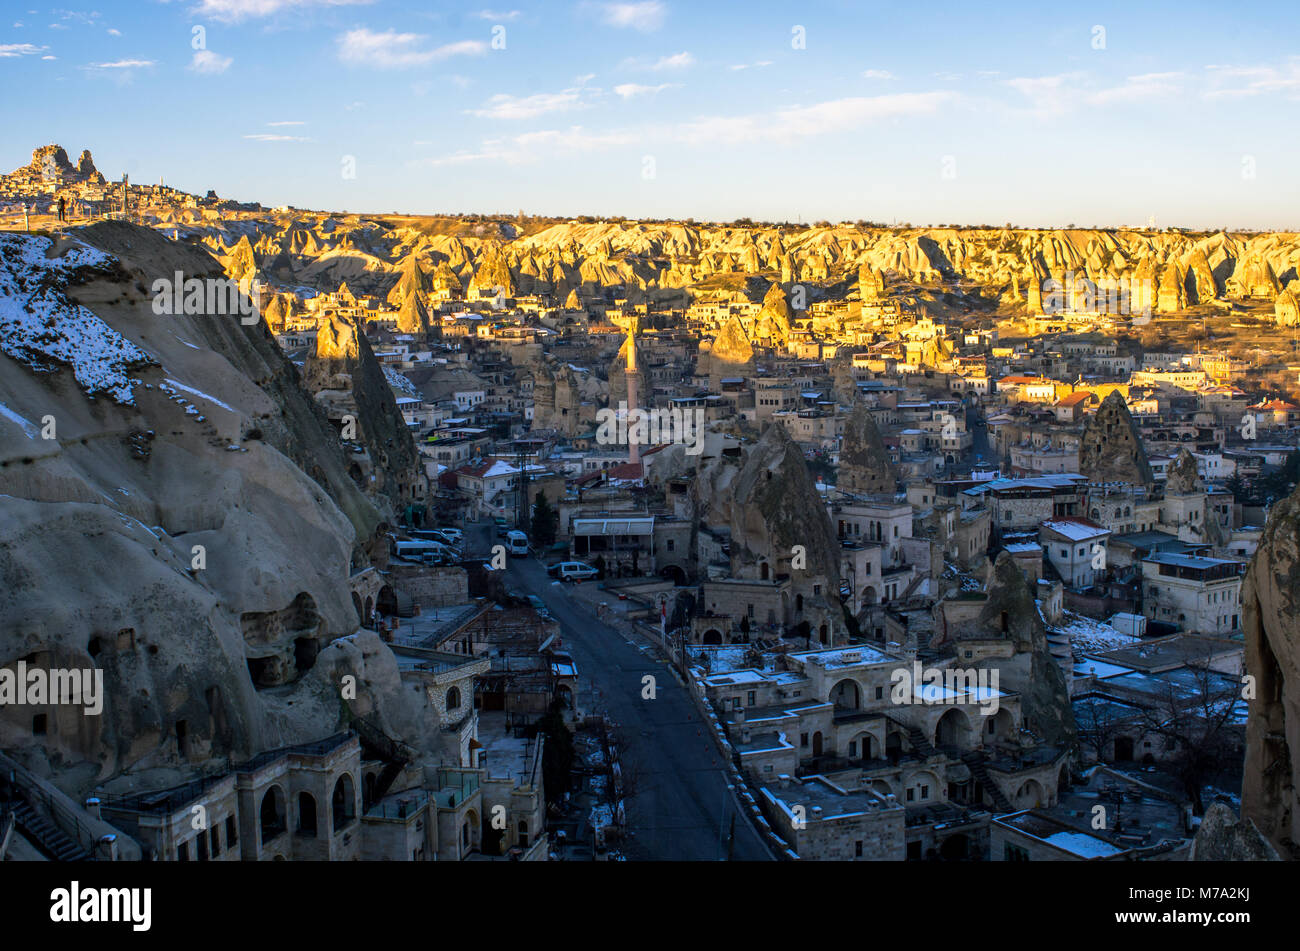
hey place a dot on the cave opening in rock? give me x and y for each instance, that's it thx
(305, 650)
(262, 670)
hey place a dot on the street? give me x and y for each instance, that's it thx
(679, 807)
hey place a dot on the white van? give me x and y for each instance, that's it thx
(517, 543)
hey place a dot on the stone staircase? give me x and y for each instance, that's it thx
(977, 769)
(46, 836)
(919, 742)
(1058, 643)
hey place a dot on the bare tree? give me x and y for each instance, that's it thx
(1197, 724)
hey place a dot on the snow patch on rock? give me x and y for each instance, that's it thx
(42, 329)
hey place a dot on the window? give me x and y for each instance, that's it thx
(803, 739)
(911, 794)
(183, 852)
(857, 850)
(214, 837)
(1014, 853)
(750, 698)
(880, 693)
(231, 836)
(925, 791)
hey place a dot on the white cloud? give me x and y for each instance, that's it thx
(113, 32)
(270, 137)
(8, 50)
(49, 57)
(676, 61)
(1138, 88)
(121, 64)
(759, 65)
(799, 122)
(1047, 95)
(646, 17)
(393, 50)
(1239, 81)
(209, 63)
(232, 11)
(790, 125)
(631, 90)
(275, 125)
(503, 106)
(498, 16)
(877, 74)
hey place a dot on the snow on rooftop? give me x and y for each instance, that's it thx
(1082, 844)
(42, 328)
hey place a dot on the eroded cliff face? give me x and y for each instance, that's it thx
(1110, 449)
(348, 381)
(192, 535)
(1271, 621)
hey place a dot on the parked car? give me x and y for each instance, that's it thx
(540, 607)
(573, 571)
(517, 543)
(453, 535)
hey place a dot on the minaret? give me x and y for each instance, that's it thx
(633, 398)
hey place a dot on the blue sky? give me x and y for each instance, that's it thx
(1038, 114)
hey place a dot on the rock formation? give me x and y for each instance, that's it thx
(1223, 837)
(1271, 622)
(1110, 449)
(865, 468)
(196, 545)
(1011, 613)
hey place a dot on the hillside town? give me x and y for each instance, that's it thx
(951, 543)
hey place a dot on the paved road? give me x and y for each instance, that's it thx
(682, 808)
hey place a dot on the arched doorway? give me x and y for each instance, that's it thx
(763, 571)
(712, 636)
(387, 603)
(1030, 795)
(846, 695)
(674, 574)
(953, 729)
(343, 804)
(893, 746)
(866, 746)
(817, 743)
(1002, 725)
(1123, 749)
(307, 814)
(272, 814)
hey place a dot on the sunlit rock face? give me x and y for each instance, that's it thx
(1110, 449)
